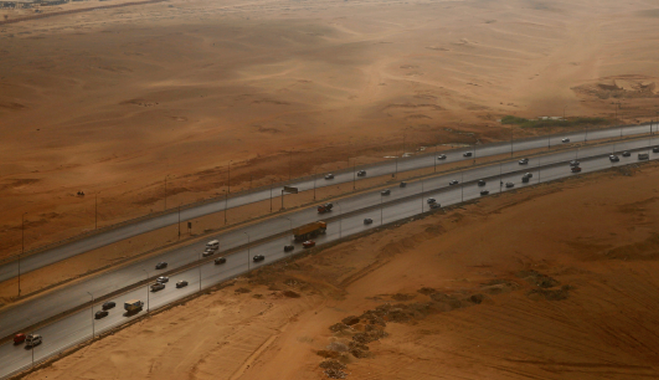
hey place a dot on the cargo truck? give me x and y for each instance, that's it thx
(309, 231)
(133, 306)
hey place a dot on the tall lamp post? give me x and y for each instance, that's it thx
(147, 289)
(91, 308)
(22, 251)
(511, 140)
(248, 248)
(96, 211)
(381, 213)
(340, 219)
(229, 177)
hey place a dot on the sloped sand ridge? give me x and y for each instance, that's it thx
(518, 286)
(110, 102)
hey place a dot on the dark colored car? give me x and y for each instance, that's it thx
(523, 161)
(258, 258)
(655, 149)
(309, 244)
(329, 176)
(454, 182)
(101, 314)
(441, 157)
(467, 154)
(19, 338)
(181, 284)
(614, 158)
(626, 154)
(528, 175)
(510, 184)
(385, 192)
(574, 163)
(485, 192)
(109, 305)
(208, 252)
(435, 206)
(368, 221)
(481, 182)
(157, 286)
(403, 184)
(361, 173)
(526, 179)
(220, 260)
(576, 169)
(162, 279)
(565, 140)
(289, 247)
(431, 200)
(161, 265)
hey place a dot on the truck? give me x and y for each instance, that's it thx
(327, 207)
(309, 231)
(133, 306)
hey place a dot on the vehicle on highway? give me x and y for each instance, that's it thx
(510, 184)
(614, 158)
(576, 169)
(258, 258)
(19, 338)
(485, 192)
(327, 207)
(157, 286)
(309, 244)
(431, 200)
(523, 161)
(109, 305)
(481, 182)
(361, 173)
(162, 279)
(101, 314)
(213, 245)
(655, 149)
(133, 306)
(368, 221)
(526, 179)
(309, 231)
(435, 205)
(402, 184)
(643, 156)
(161, 265)
(33, 340)
(181, 284)
(574, 163)
(289, 247)
(626, 154)
(528, 175)
(220, 260)
(467, 154)
(329, 176)
(453, 182)
(385, 192)
(565, 140)
(441, 157)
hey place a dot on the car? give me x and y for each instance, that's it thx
(402, 184)
(481, 182)
(101, 314)
(208, 252)
(526, 179)
(431, 200)
(289, 247)
(157, 286)
(626, 154)
(485, 192)
(361, 173)
(220, 260)
(329, 176)
(181, 284)
(33, 340)
(467, 154)
(309, 244)
(162, 279)
(528, 175)
(385, 192)
(453, 182)
(19, 338)
(576, 169)
(510, 184)
(523, 161)
(108, 305)
(258, 258)
(368, 221)
(435, 205)
(614, 158)
(565, 140)
(441, 157)
(574, 163)
(655, 149)
(161, 265)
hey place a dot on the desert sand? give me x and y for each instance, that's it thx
(116, 102)
(514, 286)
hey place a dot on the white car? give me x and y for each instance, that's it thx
(329, 176)
(565, 140)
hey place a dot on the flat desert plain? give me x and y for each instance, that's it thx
(553, 282)
(131, 103)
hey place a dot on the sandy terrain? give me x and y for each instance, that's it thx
(111, 102)
(553, 282)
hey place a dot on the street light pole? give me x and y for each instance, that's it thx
(248, 254)
(229, 177)
(422, 197)
(462, 186)
(91, 308)
(226, 196)
(381, 217)
(199, 266)
(354, 175)
(340, 219)
(96, 211)
(22, 251)
(165, 193)
(179, 221)
(147, 289)
(314, 184)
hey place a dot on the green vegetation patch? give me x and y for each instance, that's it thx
(546, 123)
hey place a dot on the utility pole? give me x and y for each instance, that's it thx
(147, 289)
(91, 308)
(165, 193)
(271, 196)
(229, 177)
(179, 221)
(226, 196)
(248, 248)
(96, 211)
(22, 251)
